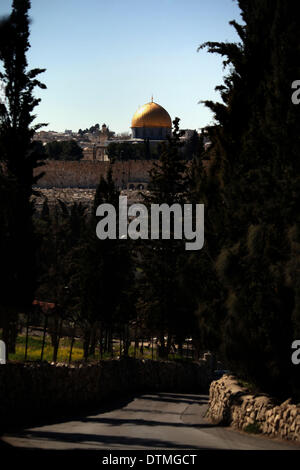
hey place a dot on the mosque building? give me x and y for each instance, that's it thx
(151, 121)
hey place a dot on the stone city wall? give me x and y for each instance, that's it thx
(31, 391)
(86, 174)
(232, 405)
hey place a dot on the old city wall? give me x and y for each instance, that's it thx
(232, 404)
(32, 391)
(86, 174)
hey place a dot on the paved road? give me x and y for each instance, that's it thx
(153, 421)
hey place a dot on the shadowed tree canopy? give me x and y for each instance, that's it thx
(63, 150)
(256, 146)
(19, 156)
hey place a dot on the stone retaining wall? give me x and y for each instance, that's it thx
(86, 174)
(232, 404)
(31, 391)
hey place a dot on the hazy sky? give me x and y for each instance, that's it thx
(106, 58)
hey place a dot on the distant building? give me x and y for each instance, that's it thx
(97, 151)
(51, 136)
(151, 121)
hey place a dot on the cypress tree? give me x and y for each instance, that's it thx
(256, 141)
(105, 274)
(169, 311)
(18, 157)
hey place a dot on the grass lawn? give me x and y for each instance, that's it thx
(35, 347)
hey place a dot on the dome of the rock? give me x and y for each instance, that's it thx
(151, 121)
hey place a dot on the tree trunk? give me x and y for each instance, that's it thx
(13, 337)
(93, 336)
(169, 342)
(162, 350)
(106, 340)
(110, 343)
(57, 339)
(44, 337)
(126, 342)
(86, 343)
(71, 346)
(142, 348)
(54, 330)
(26, 339)
(120, 345)
(152, 348)
(101, 343)
(9, 331)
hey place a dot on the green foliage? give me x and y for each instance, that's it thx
(63, 150)
(253, 428)
(89, 280)
(35, 345)
(193, 147)
(93, 130)
(163, 303)
(124, 151)
(255, 166)
(19, 157)
(168, 180)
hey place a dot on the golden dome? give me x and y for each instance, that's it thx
(151, 115)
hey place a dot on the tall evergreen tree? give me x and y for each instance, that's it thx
(169, 311)
(192, 148)
(19, 157)
(256, 143)
(105, 275)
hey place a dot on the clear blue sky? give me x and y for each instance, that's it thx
(106, 58)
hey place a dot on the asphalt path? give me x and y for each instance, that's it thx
(151, 422)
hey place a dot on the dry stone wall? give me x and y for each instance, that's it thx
(231, 404)
(32, 391)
